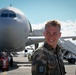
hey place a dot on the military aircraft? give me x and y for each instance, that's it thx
(14, 30)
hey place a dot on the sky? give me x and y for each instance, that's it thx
(39, 11)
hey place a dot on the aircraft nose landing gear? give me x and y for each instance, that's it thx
(11, 61)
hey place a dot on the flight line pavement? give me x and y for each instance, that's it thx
(23, 67)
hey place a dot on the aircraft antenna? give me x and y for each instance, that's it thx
(10, 5)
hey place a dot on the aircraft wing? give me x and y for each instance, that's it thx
(34, 40)
(67, 37)
(37, 39)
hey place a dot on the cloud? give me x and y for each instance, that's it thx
(67, 28)
(38, 26)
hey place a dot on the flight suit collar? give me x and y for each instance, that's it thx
(50, 48)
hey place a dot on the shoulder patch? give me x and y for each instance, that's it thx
(41, 69)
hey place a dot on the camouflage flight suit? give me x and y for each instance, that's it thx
(47, 61)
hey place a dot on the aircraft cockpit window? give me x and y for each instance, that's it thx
(12, 15)
(8, 13)
(4, 15)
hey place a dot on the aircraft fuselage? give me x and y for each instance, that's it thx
(14, 29)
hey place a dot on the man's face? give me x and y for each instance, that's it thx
(52, 35)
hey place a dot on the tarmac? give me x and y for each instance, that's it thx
(23, 67)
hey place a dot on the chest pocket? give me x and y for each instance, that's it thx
(51, 60)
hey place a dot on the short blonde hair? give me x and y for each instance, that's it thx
(53, 23)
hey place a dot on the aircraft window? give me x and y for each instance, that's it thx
(12, 15)
(4, 15)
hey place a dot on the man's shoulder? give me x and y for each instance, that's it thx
(39, 55)
(38, 51)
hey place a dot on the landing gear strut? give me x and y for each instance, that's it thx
(11, 61)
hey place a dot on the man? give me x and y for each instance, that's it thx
(47, 60)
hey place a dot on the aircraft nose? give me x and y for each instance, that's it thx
(6, 36)
(7, 21)
(6, 32)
